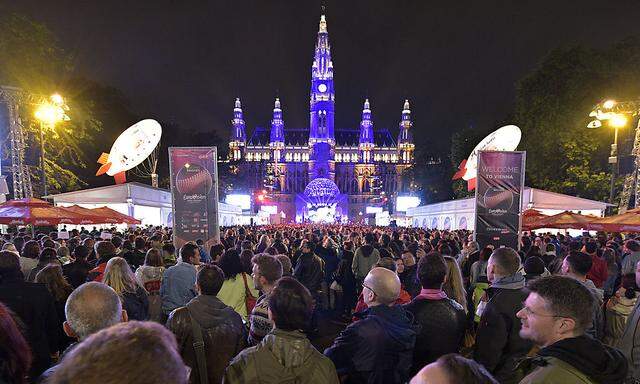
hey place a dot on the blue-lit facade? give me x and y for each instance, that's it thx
(366, 164)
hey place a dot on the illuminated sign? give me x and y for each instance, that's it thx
(405, 202)
(242, 201)
(270, 209)
(373, 210)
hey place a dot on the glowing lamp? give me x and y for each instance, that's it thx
(609, 104)
(618, 121)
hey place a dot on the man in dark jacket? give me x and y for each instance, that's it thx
(310, 269)
(409, 277)
(442, 320)
(223, 332)
(378, 348)
(76, 272)
(498, 344)
(555, 316)
(34, 306)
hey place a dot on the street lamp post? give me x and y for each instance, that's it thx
(49, 113)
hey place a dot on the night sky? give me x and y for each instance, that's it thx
(457, 62)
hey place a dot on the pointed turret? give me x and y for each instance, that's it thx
(238, 135)
(405, 135)
(277, 124)
(366, 125)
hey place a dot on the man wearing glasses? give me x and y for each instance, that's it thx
(555, 316)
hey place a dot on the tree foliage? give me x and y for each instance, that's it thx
(552, 107)
(33, 61)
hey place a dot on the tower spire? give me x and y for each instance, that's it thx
(238, 135)
(322, 91)
(277, 124)
(366, 125)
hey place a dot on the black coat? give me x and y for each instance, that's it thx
(309, 271)
(376, 349)
(442, 324)
(409, 280)
(76, 272)
(136, 304)
(498, 344)
(35, 310)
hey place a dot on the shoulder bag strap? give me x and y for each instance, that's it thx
(198, 346)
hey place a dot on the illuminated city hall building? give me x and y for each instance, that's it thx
(321, 173)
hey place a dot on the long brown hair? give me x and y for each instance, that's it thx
(52, 277)
(13, 348)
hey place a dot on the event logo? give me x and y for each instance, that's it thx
(193, 178)
(498, 200)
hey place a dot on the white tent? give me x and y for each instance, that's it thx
(150, 205)
(460, 214)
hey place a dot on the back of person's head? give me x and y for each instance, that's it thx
(153, 258)
(591, 247)
(31, 249)
(210, 279)
(169, 248)
(445, 249)
(14, 349)
(566, 297)
(369, 238)
(116, 241)
(140, 243)
(92, 307)
(216, 250)
(384, 283)
(105, 249)
(632, 245)
(118, 275)
(246, 244)
(133, 352)
(269, 267)
(506, 261)
(290, 305)
(188, 252)
(230, 263)
(579, 262)
(534, 266)
(51, 276)
(454, 369)
(285, 261)
(387, 263)
(47, 255)
(432, 270)
(485, 253)
(9, 263)
(575, 246)
(550, 248)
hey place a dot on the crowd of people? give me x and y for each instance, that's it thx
(413, 305)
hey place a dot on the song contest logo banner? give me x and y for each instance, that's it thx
(194, 194)
(499, 189)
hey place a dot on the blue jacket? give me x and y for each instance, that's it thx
(376, 349)
(178, 286)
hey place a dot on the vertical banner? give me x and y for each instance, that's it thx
(194, 195)
(500, 183)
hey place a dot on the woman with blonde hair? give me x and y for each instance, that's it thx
(134, 298)
(51, 276)
(453, 284)
(149, 276)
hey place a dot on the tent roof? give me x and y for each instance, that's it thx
(136, 193)
(531, 198)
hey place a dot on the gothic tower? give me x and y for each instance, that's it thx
(405, 137)
(238, 135)
(276, 138)
(366, 142)
(322, 103)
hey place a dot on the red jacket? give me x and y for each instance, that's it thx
(598, 272)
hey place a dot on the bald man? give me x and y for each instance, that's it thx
(378, 348)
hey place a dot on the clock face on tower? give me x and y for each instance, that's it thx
(322, 88)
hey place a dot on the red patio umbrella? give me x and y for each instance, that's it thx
(35, 212)
(625, 222)
(531, 216)
(564, 220)
(121, 217)
(90, 216)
